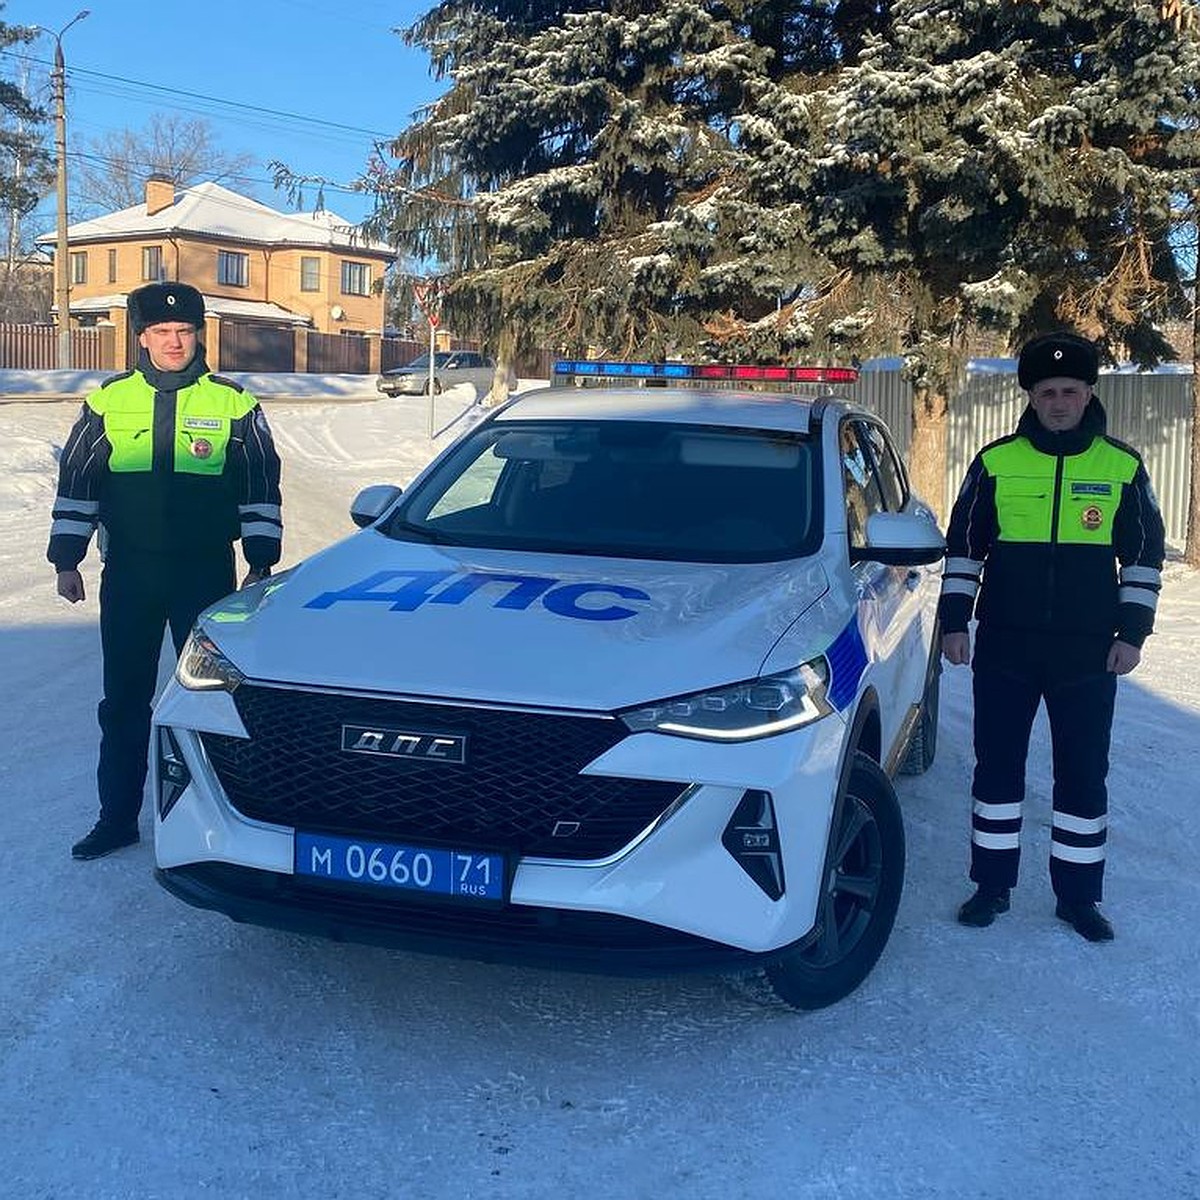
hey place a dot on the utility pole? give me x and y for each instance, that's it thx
(62, 267)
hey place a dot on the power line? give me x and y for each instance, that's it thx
(85, 156)
(235, 104)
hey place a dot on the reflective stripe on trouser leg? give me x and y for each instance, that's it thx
(1081, 715)
(1005, 706)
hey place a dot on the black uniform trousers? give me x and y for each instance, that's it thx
(1013, 674)
(141, 594)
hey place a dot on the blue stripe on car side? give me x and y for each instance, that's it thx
(847, 661)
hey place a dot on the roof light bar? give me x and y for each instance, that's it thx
(603, 368)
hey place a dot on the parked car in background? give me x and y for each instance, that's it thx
(450, 367)
(620, 681)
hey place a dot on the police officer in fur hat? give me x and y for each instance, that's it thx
(172, 464)
(1055, 545)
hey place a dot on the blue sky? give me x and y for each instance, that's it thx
(335, 73)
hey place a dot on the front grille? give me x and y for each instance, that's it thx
(520, 782)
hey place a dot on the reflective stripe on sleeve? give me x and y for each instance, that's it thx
(1138, 595)
(82, 508)
(65, 525)
(266, 511)
(964, 566)
(959, 587)
(263, 529)
(1143, 575)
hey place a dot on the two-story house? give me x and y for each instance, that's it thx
(268, 277)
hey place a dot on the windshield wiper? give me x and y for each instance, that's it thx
(419, 532)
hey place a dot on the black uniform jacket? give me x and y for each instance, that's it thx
(1039, 529)
(172, 463)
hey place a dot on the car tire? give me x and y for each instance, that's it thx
(437, 388)
(922, 746)
(864, 876)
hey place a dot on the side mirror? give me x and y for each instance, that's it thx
(372, 502)
(900, 539)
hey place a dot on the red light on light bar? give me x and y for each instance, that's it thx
(713, 371)
(787, 374)
(763, 374)
(824, 374)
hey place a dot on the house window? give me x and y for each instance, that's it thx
(112, 266)
(79, 266)
(356, 279)
(233, 268)
(152, 265)
(310, 274)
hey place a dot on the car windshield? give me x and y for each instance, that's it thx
(440, 359)
(628, 489)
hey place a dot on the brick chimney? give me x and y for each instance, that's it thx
(160, 193)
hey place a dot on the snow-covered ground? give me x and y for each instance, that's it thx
(151, 1050)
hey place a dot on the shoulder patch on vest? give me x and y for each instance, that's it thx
(117, 378)
(229, 383)
(1120, 445)
(1006, 440)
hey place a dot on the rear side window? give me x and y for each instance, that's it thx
(864, 495)
(887, 465)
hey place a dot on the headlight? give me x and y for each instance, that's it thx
(202, 667)
(754, 709)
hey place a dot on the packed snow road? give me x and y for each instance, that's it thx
(151, 1050)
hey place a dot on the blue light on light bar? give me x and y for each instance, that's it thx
(710, 371)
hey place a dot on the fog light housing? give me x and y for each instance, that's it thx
(752, 838)
(173, 773)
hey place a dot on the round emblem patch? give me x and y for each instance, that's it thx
(202, 448)
(1091, 517)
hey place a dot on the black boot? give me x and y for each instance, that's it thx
(104, 839)
(1088, 921)
(983, 907)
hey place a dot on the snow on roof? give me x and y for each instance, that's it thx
(215, 211)
(224, 306)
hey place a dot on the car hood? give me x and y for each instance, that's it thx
(376, 614)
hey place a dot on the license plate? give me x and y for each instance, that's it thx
(430, 870)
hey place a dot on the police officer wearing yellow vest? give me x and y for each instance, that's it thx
(173, 464)
(1057, 532)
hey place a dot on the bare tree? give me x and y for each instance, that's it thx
(111, 170)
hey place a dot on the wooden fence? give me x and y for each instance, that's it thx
(338, 354)
(35, 348)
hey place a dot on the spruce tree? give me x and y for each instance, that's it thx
(575, 177)
(1009, 166)
(24, 165)
(783, 178)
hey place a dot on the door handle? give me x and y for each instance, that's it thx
(912, 580)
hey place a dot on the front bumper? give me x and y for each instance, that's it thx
(519, 934)
(407, 386)
(673, 898)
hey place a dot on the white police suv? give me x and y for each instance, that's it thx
(619, 682)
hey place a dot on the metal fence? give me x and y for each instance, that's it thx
(1152, 412)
